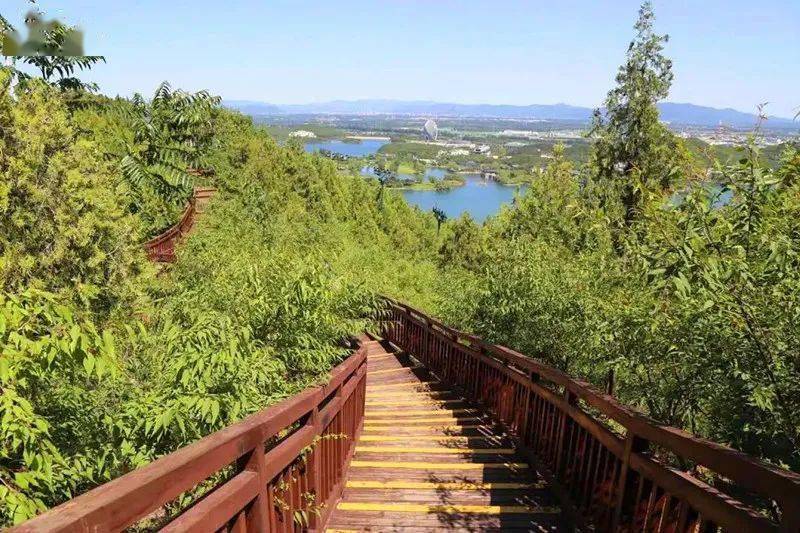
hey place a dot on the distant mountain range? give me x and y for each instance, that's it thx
(688, 114)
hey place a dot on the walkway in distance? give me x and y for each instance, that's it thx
(429, 461)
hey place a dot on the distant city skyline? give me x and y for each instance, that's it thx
(727, 54)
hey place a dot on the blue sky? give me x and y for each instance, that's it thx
(731, 53)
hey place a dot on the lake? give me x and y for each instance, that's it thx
(478, 197)
(362, 148)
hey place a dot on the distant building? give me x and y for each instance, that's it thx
(482, 149)
(430, 130)
(303, 134)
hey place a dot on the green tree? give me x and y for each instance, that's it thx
(462, 245)
(632, 152)
(63, 226)
(385, 176)
(52, 47)
(164, 146)
(53, 439)
(553, 209)
(440, 217)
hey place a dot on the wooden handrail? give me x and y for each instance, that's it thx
(161, 248)
(274, 474)
(617, 480)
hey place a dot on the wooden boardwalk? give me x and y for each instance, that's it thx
(429, 461)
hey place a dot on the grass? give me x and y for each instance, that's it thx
(322, 131)
(406, 168)
(408, 149)
(426, 185)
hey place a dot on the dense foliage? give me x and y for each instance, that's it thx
(105, 365)
(675, 287)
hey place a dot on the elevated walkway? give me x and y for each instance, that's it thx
(161, 248)
(430, 460)
(433, 429)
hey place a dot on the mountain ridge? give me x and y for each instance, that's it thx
(673, 112)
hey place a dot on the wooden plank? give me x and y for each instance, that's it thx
(402, 414)
(406, 384)
(428, 402)
(446, 509)
(453, 485)
(419, 465)
(407, 369)
(433, 450)
(446, 420)
(402, 440)
(219, 507)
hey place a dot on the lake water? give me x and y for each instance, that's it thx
(352, 149)
(478, 197)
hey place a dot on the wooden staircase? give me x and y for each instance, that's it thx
(463, 436)
(428, 460)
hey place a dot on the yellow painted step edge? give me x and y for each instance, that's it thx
(406, 394)
(398, 421)
(412, 403)
(450, 485)
(390, 370)
(446, 509)
(433, 450)
(371, 388)
(400, 439)
(443, 427)
(421, 412)
(419, 465)
(329, 530)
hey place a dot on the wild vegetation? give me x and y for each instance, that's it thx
(631, 272)
(625, 270)
(106, 365)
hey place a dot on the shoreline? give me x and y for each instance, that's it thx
(368, 138)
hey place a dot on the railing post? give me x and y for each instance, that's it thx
(424, 355)
(258, 511)
(633, 444)
(315, 469)
(570, 399)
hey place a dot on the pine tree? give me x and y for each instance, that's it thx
(633, 152)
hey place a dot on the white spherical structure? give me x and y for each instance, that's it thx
(430, 130)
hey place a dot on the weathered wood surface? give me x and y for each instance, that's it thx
(427, 460)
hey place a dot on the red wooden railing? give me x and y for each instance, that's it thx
(282, 468)
(614, 465)
(161, 249)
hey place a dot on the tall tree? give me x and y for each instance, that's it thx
(440, 217)
(52, 47)
(633, 152)
(384, 176)
(165, 144)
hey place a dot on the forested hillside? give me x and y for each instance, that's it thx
(626, 271)
(632, 272)
(106, 364)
